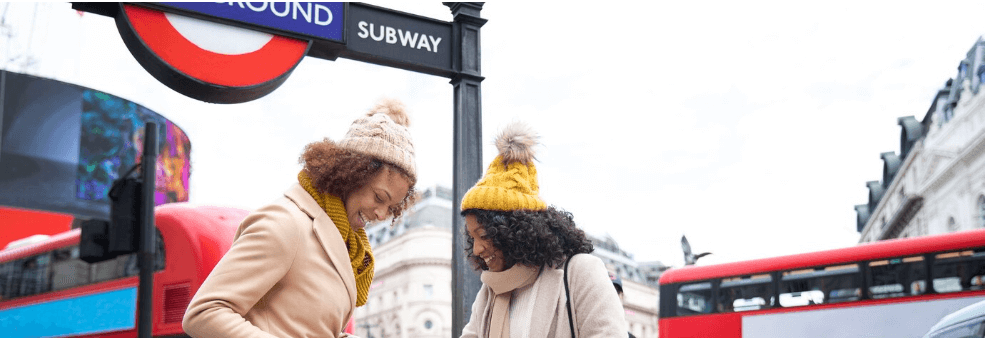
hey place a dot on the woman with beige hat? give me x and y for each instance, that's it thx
(299, 266)
(525, 250)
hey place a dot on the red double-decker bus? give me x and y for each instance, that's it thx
(46, 290)
(893, 288)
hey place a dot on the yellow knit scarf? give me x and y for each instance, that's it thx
(360, 254)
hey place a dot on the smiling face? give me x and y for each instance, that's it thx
(373, 201)
(482, 246)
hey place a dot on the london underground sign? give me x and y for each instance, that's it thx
(233, 52)
(205, 60)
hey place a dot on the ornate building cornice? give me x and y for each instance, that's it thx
(905, 213)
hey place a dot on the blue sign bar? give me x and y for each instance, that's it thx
(322, 20)
(82, 315)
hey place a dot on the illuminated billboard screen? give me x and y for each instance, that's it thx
(63, 145)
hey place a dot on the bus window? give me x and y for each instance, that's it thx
(897, 277)
(745, 293)
(61, 269)
(830, 284)
(160, 252)
(802, 298)
(110, 269)
(131, 267)
(27, 276)
(68, 270)
(5, 276)
(127, 265)
(694, 299)
(958, 271)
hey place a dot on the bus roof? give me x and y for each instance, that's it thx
(50, 243)
(865, 251)
(219, 221)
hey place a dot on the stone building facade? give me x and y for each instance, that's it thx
(936, 184)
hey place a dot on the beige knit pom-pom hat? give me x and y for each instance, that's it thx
(383, 134)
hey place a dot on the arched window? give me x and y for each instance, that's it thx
(952, 224)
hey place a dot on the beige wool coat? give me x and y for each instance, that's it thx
(597, 309)
(287, 274)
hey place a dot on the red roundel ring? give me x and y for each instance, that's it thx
(202, 74)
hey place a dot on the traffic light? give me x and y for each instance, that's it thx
(101, 240)
(93, 241)
(125, 215)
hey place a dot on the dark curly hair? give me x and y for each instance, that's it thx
(339, 172)
(534, 238)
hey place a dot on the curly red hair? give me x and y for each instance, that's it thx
(339, 172)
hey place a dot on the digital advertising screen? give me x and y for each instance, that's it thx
(63, 145)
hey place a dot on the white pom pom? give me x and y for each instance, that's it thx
(516, 143)
(392, 108)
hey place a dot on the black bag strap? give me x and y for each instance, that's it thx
(569, 310)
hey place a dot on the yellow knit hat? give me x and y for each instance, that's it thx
(510, 182)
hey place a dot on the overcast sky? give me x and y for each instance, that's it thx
(751, 128)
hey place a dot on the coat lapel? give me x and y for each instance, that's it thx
(328, 236)
(550, 290)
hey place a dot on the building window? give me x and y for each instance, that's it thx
(428, 291)
(952, 224)
(980, 210)
(428, 324)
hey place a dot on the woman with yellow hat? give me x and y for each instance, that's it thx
(523, 246)
(300, 266)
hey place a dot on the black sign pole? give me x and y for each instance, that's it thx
(146, 243)
(467, 161)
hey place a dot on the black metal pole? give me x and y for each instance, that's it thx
(146, 243)
(467, 160)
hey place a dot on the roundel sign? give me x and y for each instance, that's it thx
(206, 60)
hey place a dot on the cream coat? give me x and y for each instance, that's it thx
(287, 274)
(597, 310)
